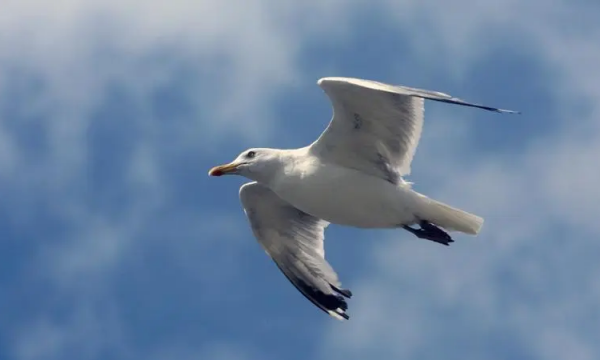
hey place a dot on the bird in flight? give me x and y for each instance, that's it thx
(351, 175)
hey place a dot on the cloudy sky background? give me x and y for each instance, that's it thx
(115, 244)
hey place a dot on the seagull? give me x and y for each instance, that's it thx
(352, 175)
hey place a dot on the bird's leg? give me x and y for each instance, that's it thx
(428, 231)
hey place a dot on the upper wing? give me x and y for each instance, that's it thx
(294, 240)
(376, 127)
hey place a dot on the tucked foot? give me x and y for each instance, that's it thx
(428, 231)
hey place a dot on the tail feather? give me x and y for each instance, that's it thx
(450, 218)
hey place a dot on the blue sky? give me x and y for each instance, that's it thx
(115, 244)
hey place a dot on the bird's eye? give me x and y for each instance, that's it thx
(251, 154)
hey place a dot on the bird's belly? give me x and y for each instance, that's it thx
(348, 197)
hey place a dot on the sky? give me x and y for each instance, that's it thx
(115, 244)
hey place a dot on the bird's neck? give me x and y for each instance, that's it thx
(282, 164)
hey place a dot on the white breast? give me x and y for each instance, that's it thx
(347, 197)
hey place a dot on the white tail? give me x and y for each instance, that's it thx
(448, 217)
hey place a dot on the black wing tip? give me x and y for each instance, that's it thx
(343, 315)
(338, 313)
(489, 108)
(504, 111)
(330, 303)
(334, 305)
(462, 102)
(498, 110)
(347, 293)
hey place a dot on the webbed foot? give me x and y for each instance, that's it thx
(428, 231)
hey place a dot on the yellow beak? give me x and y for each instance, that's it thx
(223, 169)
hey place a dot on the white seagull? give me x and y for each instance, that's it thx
(351, 175)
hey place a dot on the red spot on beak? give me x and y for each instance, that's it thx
(223, 170)
(215, 172)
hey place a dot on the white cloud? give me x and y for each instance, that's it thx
(219, 350)
(527, 282)
(61, 64)
(84, 333)
(239, 55)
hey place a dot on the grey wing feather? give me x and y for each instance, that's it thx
(409, 91)
(376, 127)
(294, 240)
(438, 96)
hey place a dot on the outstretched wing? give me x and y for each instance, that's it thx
(376, 127)
(294, 240)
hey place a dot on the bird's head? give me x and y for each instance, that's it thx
(254, 164)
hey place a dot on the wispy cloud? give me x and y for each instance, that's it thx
(109, 111)
(524, 288)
